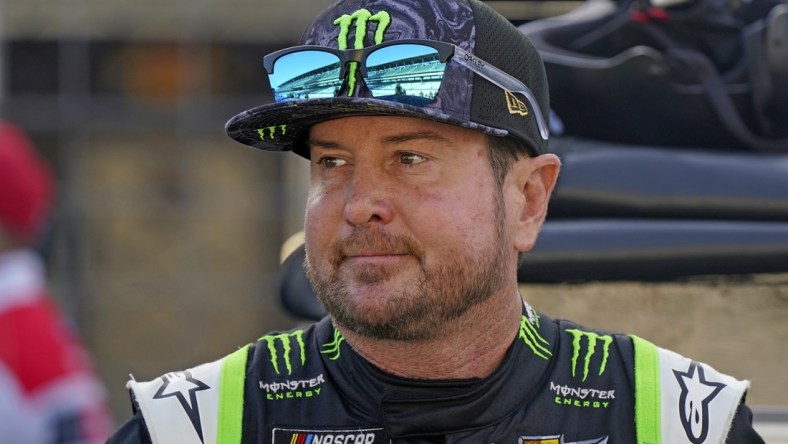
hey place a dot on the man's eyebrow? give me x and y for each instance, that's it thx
(393, 139)
(325, 144)
(417, 135)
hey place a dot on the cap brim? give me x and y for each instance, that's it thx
(284, 126)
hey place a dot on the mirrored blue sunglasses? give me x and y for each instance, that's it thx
(406, 71)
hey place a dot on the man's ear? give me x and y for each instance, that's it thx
(535, 178)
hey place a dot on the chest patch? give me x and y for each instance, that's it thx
(329, 436)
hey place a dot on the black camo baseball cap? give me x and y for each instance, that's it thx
(463, 98)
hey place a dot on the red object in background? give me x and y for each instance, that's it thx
(38, 347)
(26, 184)
(49, 390)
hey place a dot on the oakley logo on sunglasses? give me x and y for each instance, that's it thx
(362, 17)
(474, 61)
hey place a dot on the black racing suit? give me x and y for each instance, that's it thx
(558, 383)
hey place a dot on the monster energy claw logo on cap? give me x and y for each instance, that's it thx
(362, 17)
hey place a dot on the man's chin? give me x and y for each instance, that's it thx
(374, 311)
(381, 326)
(376, 272)
(372, 300)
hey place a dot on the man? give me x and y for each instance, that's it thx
(422, 199)
(49, 392)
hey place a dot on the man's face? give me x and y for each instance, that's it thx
(405, 227)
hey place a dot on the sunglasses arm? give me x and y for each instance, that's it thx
(502, 80)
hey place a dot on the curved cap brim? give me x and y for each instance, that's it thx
(284, 126)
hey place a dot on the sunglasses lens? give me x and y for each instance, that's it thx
(406, 73)
(307, 74)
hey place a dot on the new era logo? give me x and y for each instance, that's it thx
(515, 105)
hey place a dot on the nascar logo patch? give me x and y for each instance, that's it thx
(347, 436)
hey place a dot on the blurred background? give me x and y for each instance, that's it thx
(165, 246)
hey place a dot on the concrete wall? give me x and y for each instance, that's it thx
(180, 241)
(737, 325)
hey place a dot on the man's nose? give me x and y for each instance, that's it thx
(368, 198)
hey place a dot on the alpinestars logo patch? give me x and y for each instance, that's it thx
(190, 406)
(696, 394)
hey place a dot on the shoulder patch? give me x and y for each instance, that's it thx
(681, 401)
(698, 402)
(181, 406)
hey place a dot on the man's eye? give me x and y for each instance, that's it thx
(411, 158)
(331, 162)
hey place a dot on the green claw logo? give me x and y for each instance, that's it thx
(286, 341)
(590, 349)
(529, 334)
(332, 348)
(270, 132)
(362, 17)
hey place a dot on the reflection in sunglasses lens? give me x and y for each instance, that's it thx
(307, 74)
(405, 73)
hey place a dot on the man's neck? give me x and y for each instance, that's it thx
(471, 347)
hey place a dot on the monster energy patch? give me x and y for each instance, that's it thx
(281, 347)
(293, 388)
(287, 350)
(582, 396)
(584, 349)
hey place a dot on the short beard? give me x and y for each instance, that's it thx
(426, 305)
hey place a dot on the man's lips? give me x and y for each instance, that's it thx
(368, 248)
(375, 256)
